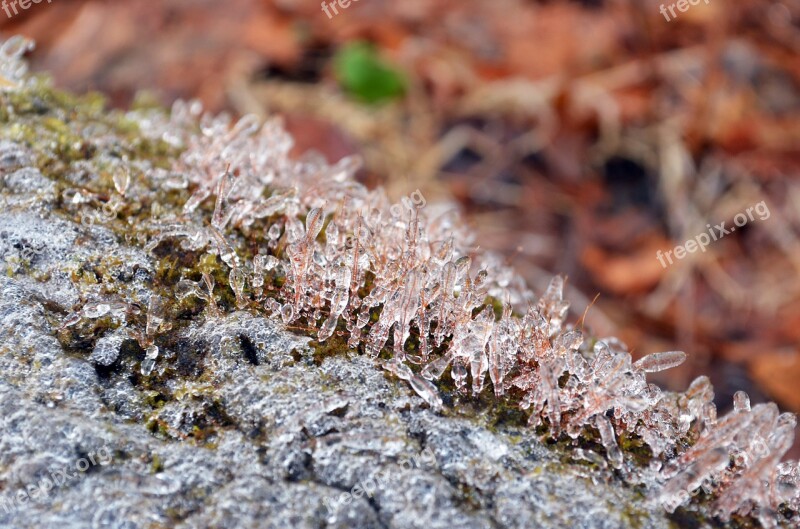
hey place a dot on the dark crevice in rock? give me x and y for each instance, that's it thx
(249, 350)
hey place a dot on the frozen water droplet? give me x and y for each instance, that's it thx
(274, 232)
(152, 352)
(237, 280)
(95, 310)
(107, 348)
(271, 262)
(314, 221)
(121, 181)
(257, 278)
(609, 440)
(186, 288)
(459, 374)
(435, 369)
(427, 391)
(741, 401)
(247, 125)
(653, 363)
(326, 329)
(149, 362)
(147, 366)
(71, 320)
(287, 313)
(155, 317)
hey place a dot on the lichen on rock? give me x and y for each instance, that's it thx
(179, 288)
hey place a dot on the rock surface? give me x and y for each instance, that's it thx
(244, 428)
(290, 441)
(130, 397)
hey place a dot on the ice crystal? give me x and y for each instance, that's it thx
(302, 241)
(402, 285)
(106, 349)
(149, 360)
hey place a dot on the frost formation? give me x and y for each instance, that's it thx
(403, 289)
(306, 243)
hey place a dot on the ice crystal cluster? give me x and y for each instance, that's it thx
(303, 241)
(402, 289)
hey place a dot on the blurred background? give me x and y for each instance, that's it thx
(578, 137)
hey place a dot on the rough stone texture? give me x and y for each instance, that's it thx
(287, 433)
(240, 423)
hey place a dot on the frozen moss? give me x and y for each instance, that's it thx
(191, 236)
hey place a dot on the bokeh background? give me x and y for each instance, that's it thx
(578, 137)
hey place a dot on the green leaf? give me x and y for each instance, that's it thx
(364, 75)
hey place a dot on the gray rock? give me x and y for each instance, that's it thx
(239, 424)
(291, 444)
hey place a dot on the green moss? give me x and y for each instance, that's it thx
(634, 518)
(335, 345)
(156, 464)
(496, 304)
(155, 399)
(635, 447)
(157, 427)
